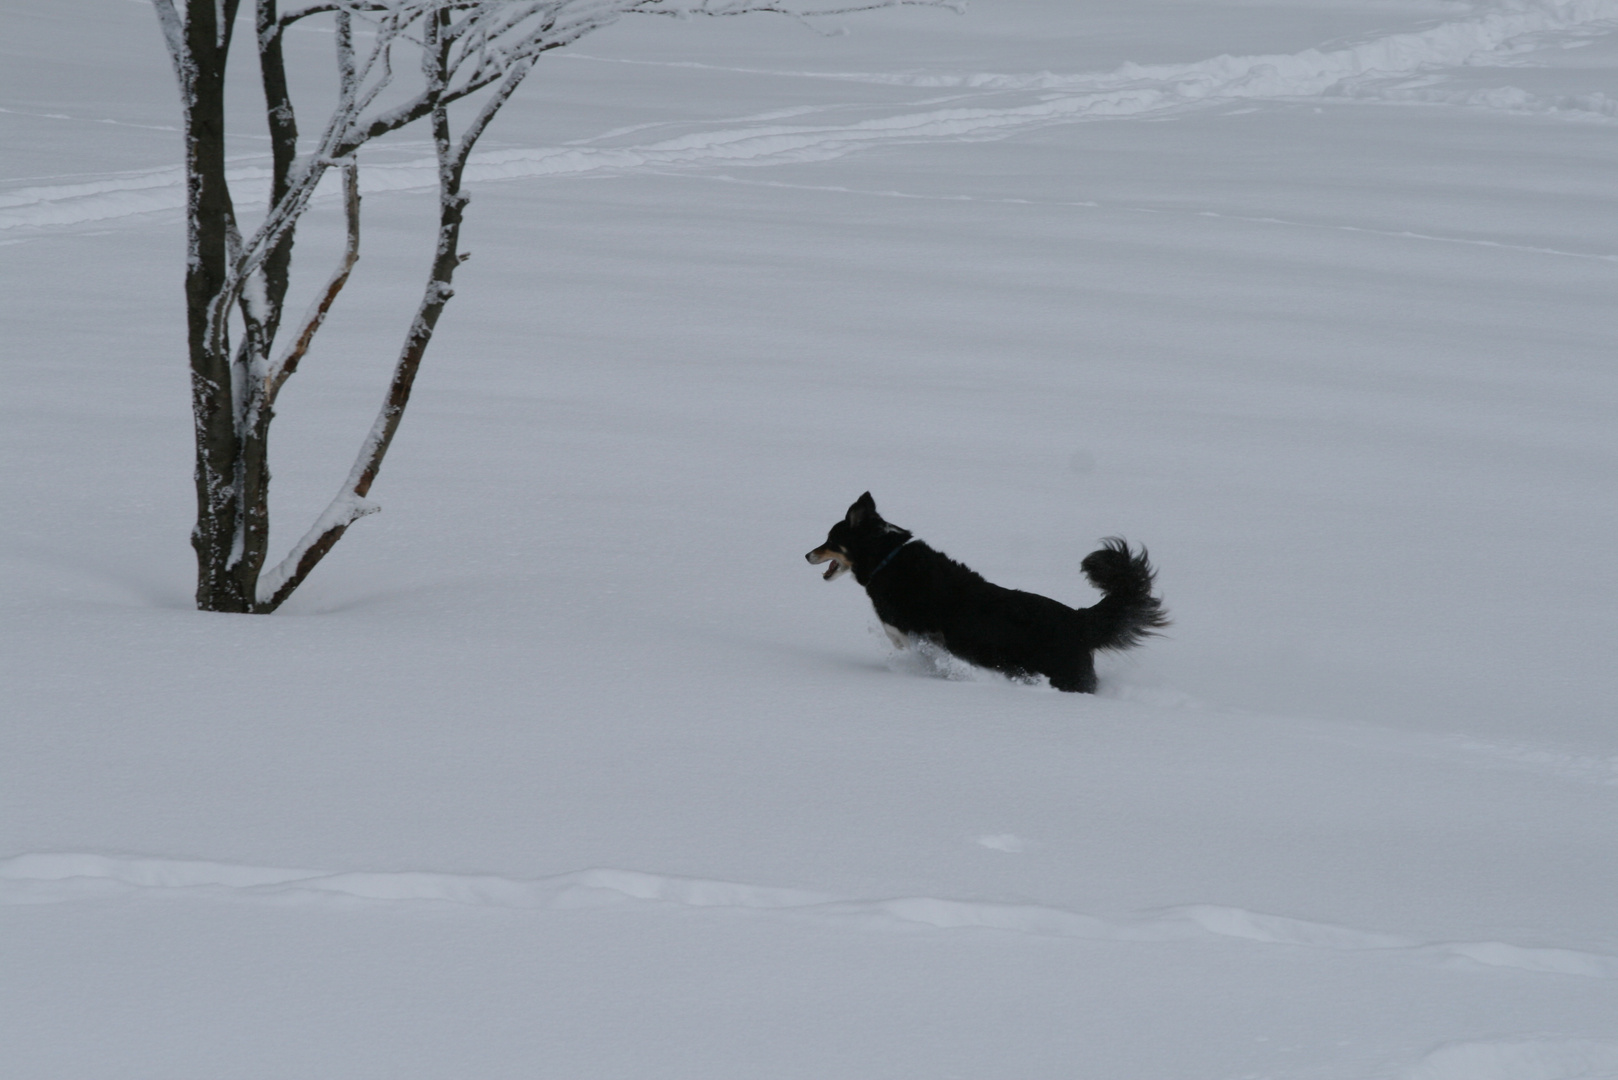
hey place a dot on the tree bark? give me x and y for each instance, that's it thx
(210, 225)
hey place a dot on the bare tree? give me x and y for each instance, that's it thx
(474, 52)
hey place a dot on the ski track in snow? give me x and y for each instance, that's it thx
(1398, 67)
(62, 877)
(1251, 219)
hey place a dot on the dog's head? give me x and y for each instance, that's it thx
(858, 542)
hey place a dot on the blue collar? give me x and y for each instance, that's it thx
(889, 558)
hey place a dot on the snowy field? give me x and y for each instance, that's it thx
(567, 766)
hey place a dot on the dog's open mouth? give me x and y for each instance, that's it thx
(839, 562)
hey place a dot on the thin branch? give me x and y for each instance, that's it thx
(173, 36)
(284, 366)
(475, 129)
(351, 503)
(326, 9)
(279, 582)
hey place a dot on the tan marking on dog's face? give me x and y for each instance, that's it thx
(839, 562)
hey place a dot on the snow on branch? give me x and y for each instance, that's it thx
(277, 583)
(484, 42)
(173, 32)
(283, 366)
(476, 51)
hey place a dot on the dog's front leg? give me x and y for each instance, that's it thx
(899, 638)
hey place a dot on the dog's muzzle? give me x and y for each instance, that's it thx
(839, 562)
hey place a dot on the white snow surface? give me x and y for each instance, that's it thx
(566, 765)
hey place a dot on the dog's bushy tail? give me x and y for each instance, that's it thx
(1128, 612)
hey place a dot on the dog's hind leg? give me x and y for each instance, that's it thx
(1075, 677)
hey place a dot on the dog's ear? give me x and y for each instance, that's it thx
(864, 509)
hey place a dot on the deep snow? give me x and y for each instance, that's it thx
(566, 765)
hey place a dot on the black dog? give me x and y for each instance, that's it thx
(924, 593)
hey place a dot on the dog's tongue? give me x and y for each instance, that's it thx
(831, 570)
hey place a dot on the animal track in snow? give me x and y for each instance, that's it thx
(64, 877)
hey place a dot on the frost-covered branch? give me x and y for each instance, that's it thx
(473, 51)
(168, 20)
(279, 582)
(286, 364)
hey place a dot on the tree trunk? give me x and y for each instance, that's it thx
(210, 223)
